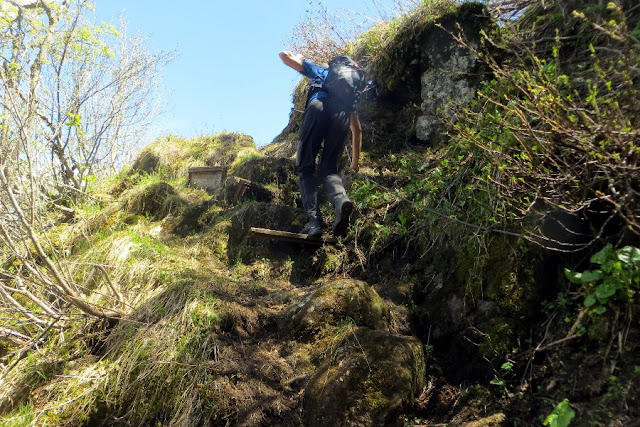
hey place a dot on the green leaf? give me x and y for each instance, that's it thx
(497, 381)
(573, 277)
(591, 276)
(629, 255)
(601, 256)
(74, 119)
(561, 415)
(606, 290)
(589, 300)
(584, 277)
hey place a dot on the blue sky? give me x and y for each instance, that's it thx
(227, 75)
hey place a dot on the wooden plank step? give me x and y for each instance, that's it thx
(286, 236)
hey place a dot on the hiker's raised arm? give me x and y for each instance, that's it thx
(356, 137)
(292, 60)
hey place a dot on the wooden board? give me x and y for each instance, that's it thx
(265, 233)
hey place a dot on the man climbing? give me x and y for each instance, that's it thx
(327, 118)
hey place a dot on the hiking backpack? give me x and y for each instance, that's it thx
(345, 80)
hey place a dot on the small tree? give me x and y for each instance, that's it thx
(74, 100)
(324, 33)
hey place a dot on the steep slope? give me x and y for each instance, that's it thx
(441, 306)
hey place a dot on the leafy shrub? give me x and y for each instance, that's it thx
(558, 132)
(561, 415)
(617, 279)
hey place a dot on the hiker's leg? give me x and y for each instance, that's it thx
(328, 171)
(312, 133)
(332, 153)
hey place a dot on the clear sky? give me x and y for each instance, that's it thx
(227, 75)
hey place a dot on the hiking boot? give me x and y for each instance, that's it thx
(313, 228)
(344, 208)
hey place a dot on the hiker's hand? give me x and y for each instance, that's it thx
(292, 60)
(297, 56)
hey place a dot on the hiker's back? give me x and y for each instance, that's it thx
(344, 81)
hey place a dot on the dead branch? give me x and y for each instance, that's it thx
(12, 337)
(23, 352)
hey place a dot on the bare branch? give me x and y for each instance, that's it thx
(23, 352)
(12, 337)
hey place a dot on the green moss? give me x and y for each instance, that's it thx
(204, 315)
(147, 246)
(374, 398)
(340, 303)
(499, 340)
(368, 377)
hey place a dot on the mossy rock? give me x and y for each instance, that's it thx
(369, 379)
(275, 174)
(155, 201)
(334, 302)
(197, 217)
(267, 170)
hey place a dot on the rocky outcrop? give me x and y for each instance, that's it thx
(446, 80)
(450, 72)
(369, 379)
(367, 374)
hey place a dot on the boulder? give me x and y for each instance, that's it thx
(335, 302)
(450, 71)
(369, 379)
(278, 174)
